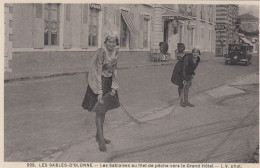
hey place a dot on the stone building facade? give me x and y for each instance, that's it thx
(193, 25)
(8, 43)
(226, 27)
(46, 37)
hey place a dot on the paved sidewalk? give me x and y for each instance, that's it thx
(207, 131)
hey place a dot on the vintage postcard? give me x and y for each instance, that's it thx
(150, 84)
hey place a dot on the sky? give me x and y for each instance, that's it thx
(251, 9)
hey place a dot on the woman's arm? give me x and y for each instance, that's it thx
(115, 85)
(197, 63)
(98, 65)
(96, 72)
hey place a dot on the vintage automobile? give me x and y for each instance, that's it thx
(239, 53)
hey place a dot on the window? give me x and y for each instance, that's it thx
(51, 24)
(93, 27)
(68, 11)
(128, 32)
(10, 9)
(11, 37)
(85, 13)
(10, 24)
(38, 10)
(145, 41)
(124, 33)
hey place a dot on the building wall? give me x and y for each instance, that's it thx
(23, 25)
(72, 48)
(68, 61)
(158, 27)
(198, 31)
(76, 20)
(70, 51)
(112, 16)
(8, 27)
(226, 17)
(23, 28)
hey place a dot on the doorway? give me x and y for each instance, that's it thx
(165, 31)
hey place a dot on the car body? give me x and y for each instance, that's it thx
(239, 53)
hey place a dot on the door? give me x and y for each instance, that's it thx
(165, 32)
(173, 40)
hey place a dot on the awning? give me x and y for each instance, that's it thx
(169, 14)
(246, 41)
(130, 23)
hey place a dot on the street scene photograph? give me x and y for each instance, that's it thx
(131, 83)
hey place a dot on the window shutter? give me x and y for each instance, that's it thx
(85, 27)
(68, 11)
(151, 21)
(105, 16)
(67, 27)
(141, 32)
(38, 26)
(113, 19)
(132, 38)
(141, 19)
(117, 18)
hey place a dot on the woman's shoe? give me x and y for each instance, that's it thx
(107, 141)
(183, 104)
(102, 146)
(189, 104)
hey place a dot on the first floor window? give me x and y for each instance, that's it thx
(51, 24)
(93, 27)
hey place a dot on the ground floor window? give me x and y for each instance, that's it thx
(124, 33)
(93, 27)
(51, 24)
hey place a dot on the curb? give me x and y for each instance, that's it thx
(38, 77)
(42, 77)
(28, 78)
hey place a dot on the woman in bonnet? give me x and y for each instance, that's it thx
(102, 79)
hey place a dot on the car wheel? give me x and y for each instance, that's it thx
(246, 63)
(250, 61)
(235, 57)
